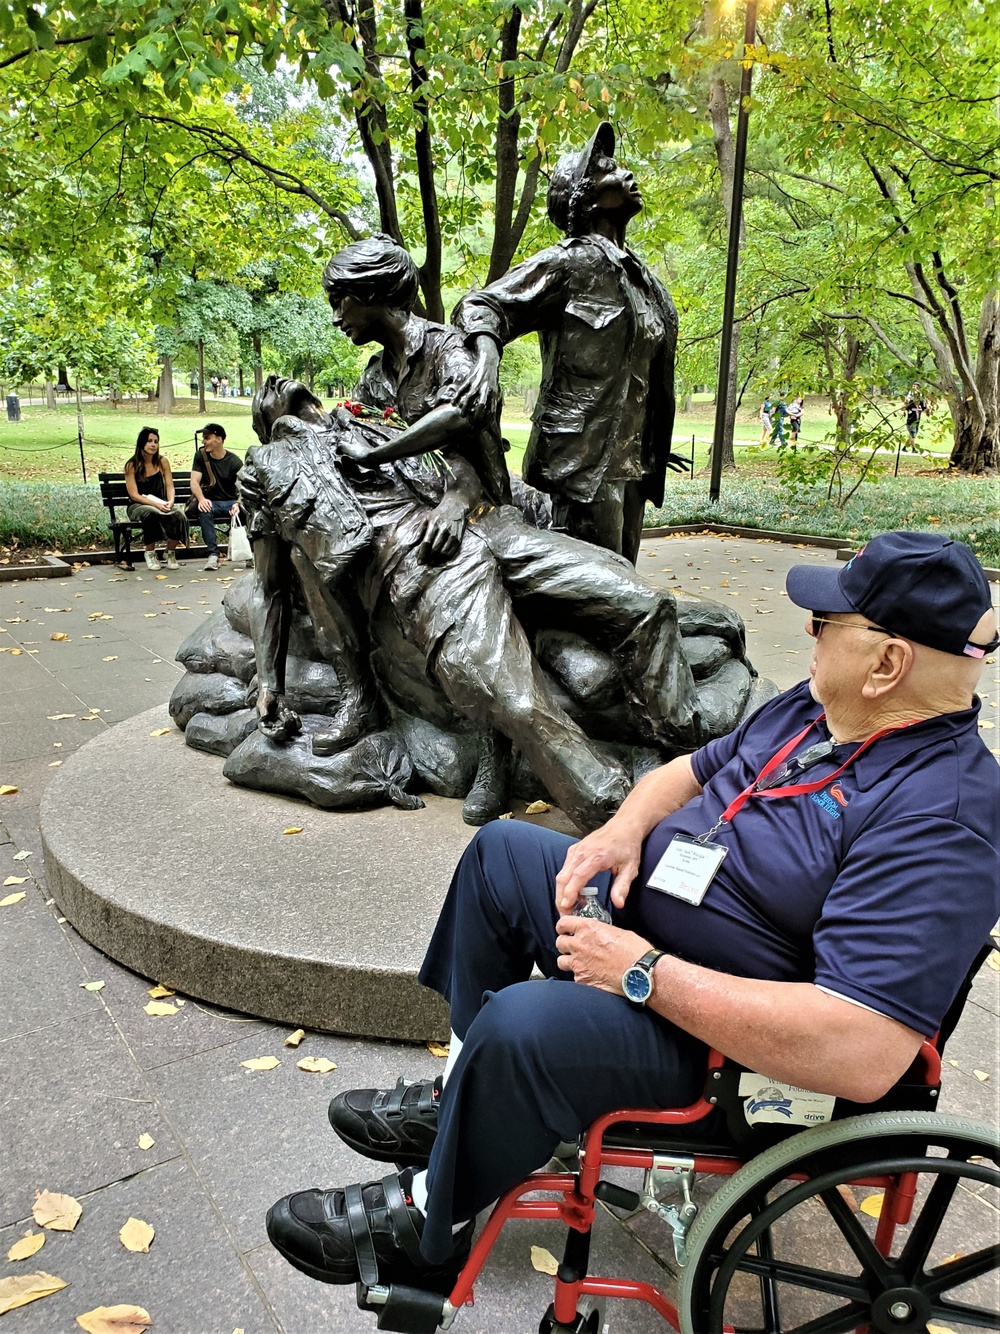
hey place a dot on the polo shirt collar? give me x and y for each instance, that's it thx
(879, 758)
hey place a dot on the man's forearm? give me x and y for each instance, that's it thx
(439, 427)
(196, 490)
(791, 1031)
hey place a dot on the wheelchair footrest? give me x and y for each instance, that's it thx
(403, 1310)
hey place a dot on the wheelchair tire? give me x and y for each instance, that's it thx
(737, 1278)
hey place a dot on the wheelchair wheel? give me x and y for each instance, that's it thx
(589, 1319)
(770, 1255)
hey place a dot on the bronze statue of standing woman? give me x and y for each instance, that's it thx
(602, 427)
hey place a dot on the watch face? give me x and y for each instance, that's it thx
(637, 984)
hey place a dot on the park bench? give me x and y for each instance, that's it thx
(114, 495)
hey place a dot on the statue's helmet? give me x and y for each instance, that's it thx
(376, 271)
(568, 183)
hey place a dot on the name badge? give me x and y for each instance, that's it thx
(687, 868)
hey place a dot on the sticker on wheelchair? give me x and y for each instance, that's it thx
(766, 1101)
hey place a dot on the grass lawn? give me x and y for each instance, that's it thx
(44, 504)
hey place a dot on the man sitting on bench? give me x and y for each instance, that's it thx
(778, 896)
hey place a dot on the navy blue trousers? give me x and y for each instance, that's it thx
(541, 1059)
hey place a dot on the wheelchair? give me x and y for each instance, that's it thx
(877, 1197)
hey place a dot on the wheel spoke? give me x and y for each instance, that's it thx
(768, 1289)
(856, 1237)
(926, 1228)
(961, 1314)
(842, 1321)
(961, 1271)
(803, 1276)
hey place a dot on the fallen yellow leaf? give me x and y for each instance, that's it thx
(544, 1261)
(994, 961)
(316, 1065)
(12, 898)
(24, 1288)
(16, 653)
(295, 1038)
(872, 1205)
(158, 1009)
(61, 1213)
(8, 789)
(30, 1244)
(981, 1075)
(92, 986)
(57, 717)
(438, 1049)
(15, 880)
(115, 1320)
(537, 808)
(509, 815)
(940, 1329)
(159, 731)
(950, 1259)
(293, 829)
(146, 1141)
(261, 1063)
(113, 658)
(59, 634)
(159, 991)
(136, 1236)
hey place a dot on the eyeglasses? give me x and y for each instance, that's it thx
(817, 622)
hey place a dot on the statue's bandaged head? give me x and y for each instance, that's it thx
(281, 397)
(376, 272)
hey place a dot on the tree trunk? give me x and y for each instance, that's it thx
(430, 270)
(50, 394)
(165, 387)
(242, 385)
(977, 429)
(201, 375)
(258, 370)
(508, 128)
(725, 152)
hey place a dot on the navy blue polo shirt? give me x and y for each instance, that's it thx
(880, 887)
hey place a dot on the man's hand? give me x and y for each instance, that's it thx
(275, 719)
(443, 532)
(678, 463)
(614, 847)
(204, 505)
(355, 450)
(597, 954)
(235, 509)
(479, 398)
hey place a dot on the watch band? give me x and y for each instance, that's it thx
(648, 960)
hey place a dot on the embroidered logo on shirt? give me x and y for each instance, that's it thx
(837, 793)
(827, 803)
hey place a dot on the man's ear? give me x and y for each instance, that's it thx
(895, 658)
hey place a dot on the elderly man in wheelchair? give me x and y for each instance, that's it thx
(797, 912)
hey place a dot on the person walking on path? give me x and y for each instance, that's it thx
(795, 418)
(150, 485)
(765, 421)
(778, 419)
(213, 486)
(915, 405)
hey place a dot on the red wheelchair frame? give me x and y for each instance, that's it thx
(579, 1195)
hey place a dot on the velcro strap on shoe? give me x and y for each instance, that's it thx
(399, 1213)
(364, 1247)
(427, 1101)
(394, 1102)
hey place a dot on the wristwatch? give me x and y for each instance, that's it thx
(637, 981)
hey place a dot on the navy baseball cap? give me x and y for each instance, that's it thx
(919, 586)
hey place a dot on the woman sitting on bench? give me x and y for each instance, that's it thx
(150, 485)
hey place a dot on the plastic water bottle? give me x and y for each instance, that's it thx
(587, 905)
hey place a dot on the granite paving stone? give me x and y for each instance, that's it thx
(73, 1107)
(39, 968)
(191, 1281)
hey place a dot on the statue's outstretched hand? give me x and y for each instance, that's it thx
(354, 449)
(678, 463)
(275, 719)
(479, 399)
(443, 532)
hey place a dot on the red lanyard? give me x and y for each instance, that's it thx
(794, 789)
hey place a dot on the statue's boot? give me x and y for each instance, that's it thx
(356, 717)
(489, 796)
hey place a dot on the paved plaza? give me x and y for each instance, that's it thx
(88, 1076)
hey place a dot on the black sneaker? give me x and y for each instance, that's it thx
(368, 1233)
(397, 1125)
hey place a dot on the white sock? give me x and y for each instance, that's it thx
(418, 1194)
(454, 1049)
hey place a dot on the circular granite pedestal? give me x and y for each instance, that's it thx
(167, 867)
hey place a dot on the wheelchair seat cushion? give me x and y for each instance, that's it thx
(397, 1125)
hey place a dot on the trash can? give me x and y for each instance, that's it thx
(194, 388)
(13, 408)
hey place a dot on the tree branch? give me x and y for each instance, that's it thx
(430, 270)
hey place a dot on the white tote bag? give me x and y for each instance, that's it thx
(239, 542)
